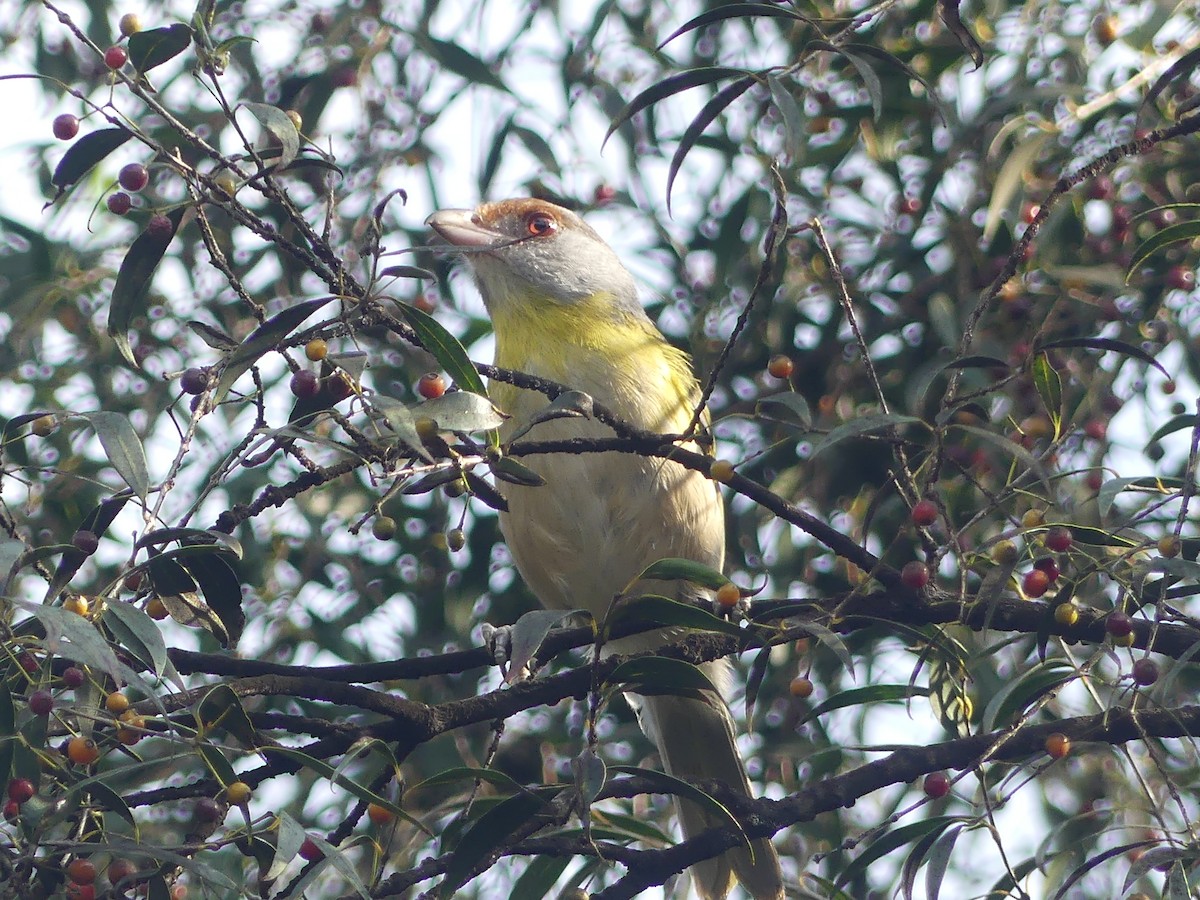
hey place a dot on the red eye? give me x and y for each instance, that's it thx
(539, 224)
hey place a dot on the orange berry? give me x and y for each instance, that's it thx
(78, 605)
(380, 815)
(156, 609)
(728, 595)
(82, 751)
(116, 703)
(431, 386)
(800, 687)
(316, 350)
(781, 366)
(1058, 745)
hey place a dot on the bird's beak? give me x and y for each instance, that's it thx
(457, 227)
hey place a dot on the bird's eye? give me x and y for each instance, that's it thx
(539, 224)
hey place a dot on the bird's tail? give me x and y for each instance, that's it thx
(695, 740)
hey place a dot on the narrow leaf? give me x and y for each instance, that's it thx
(861, 426)
(263, 339)
(445, 348)
(668, 86)
(85, 153)
(664, 611)
(133, 282)
(1107, 344)
(1011, 178)
(660, 675)
(464, 411)
(123, 448)
(731, 11)
(673, 569)
(704, 118)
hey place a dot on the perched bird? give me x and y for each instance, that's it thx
(563, 307)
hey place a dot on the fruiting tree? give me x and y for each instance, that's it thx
(938, 277)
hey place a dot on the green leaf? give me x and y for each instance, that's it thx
(290, 836)
(263, 339)
(1115, 486)
(222, 708)
(464, 411)
(731, 11)
(664, 611)
(875, 693)
(1049, 388)
(1188, 421)
(281, 127)
(1164, 237)
(97, 522)
(669, 86)
(659, 675)
(460, 61)
(1011, 178)
(217, 763)
(697, 126)
(489, 831)
(123, 447)
(917, 858)
(863, 425)
(977, 362)
(138, 634)
(1016, 696)
(508, 469)
(222, 589)
(1098, 537)
(1027, 459)
(148, 49)
(792, 409)
(71, 636)
(445, 349)
(1110, 344)
(672, 569)
(468, 775)
(789, 112)
(939, 862)
(668, 784)
(85, 153)
(539, 877)
(526, 636)
(407, 272)
(867, 73)
(892, 840)
(133, 282)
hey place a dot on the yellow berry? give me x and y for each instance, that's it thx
(721, 470)
(116, 703)
(455, 539)
(226, 184)
(156, 609)
(77, 605)
(238, 793)
(801, 687)
(383, 528)
(43, 426)
(1004, 553)
(1122, 640)
(728, 594)
(1033, 518)
(296, 118)
(1169, 546)
(1066, 614)
(316, 349)
(130, 24)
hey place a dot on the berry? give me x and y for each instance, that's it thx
(1033, 518)
(728, 595)
(41, 703)
(77, 605)
(130, 24)
(1004, 553)
(65, 126)
(1094, 480)
(915, 574)
(1035, 584)
(133, 177)
(339, 387)
(120, 869)
(1106, 29)
(380, 815)
(909, 206)
(1169, 546)
(924, 513)
(800, 687)
(455, 539)
(226, 184)
(426, 303)
(116, 703)
(82, 751)
(936, 785)
(603, 193)
(43, 426)
(156, 609)
(780, 366)
(85, 541)
(383, 528)
(721, 470)
(73, 677)
(81, 891)
(1181, 278)
(346, 76)
(1049, 567)
(133, 581)
(1057, 745)
(431, 385)
(119, 203)
(1145, 673)
(310, 851)
(1066, 614)
(296, 119)
(159, 226)
(1118, 624)
(11, 810)
(238, 793)
(305, 384)
(1096, 429)
(207, 810)
(194, 381)
(316, 350)
(1059, 539)
(115, 57)
(81, 871)
(28, 662)
(20, 790)
(1101, 188)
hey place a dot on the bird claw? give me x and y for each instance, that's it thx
(498, 640)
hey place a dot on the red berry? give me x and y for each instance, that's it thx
(1049, 567)
(305, 384)
(11, 810)
(915, 574)
(81, 871)
(1101, 188)
(936, 785)
(1145, 671)
(41, 703)
(119, 203)
(133, 177)
(85, 541)
(1059, 539)
(1094, 480)
(1035, 583)
(310, 851)
(194, 381)
(73, 677)
(20, 790)
(1181, 278)
(159, 226)
(339, 387)
(1118, 624)
(780, 366)
(431, 385)
(65, 127)
(604, 193)
(28, 662)
(119, 869)
(208, 810)
(924, 513)
(115, 57)
(1096, 429)
(81, 891)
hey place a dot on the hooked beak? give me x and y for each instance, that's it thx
(457, 227)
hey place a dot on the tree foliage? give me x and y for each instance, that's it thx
(937, 272)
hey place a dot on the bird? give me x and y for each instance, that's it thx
(563, 307)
